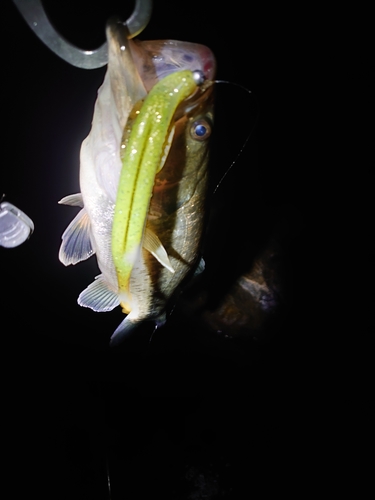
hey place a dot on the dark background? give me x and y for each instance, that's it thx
(192, 412)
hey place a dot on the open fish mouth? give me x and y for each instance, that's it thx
(136, 66)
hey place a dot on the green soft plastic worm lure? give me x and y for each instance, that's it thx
(145, 154)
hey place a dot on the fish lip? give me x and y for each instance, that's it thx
(117, 30)
(167, 56)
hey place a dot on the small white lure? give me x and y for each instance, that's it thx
(15, 226)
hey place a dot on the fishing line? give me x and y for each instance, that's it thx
(247, 138)
(108, 477)
(104, 436)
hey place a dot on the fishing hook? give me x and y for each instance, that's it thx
(33, 13)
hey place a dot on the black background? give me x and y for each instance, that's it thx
(191, 406)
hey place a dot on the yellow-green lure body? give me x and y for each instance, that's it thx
(145, 154)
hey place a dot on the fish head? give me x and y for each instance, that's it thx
(134, 67)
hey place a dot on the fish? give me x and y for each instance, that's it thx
(143, 177)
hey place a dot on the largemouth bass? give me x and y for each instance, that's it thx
(143, 176)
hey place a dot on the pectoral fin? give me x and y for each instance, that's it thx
(76, 244)
(98, 296)
(75, 200)
(152, 243)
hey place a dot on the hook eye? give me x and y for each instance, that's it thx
(15, 226)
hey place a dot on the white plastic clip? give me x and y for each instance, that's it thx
(15, 226)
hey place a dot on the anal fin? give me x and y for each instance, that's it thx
(98, 296)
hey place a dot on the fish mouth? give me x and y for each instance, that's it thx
(158, 58)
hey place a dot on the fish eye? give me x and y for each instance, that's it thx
(200, 130)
